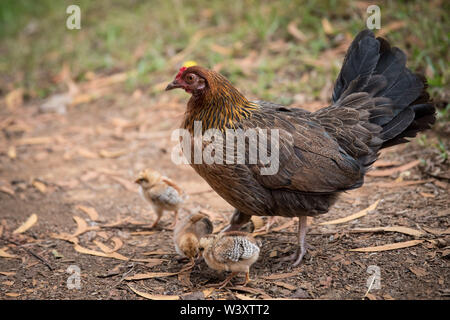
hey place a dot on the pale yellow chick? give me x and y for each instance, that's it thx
(188, 232)
(230, 251)
(161, 192)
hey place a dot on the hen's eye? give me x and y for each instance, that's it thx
(190, 77)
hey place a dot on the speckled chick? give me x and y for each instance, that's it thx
(189, 231)
(161, 192)
(230, 251)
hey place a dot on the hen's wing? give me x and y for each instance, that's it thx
(309, 159)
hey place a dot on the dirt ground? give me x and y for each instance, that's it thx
(50, 164)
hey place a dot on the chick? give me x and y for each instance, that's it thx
(188, 233)
(162, 192)
(230, 251)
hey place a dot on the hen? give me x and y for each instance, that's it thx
(376, 103)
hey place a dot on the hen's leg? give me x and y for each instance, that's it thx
(238, 219)
(301, 250)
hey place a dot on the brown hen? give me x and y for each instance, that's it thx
(377, 102)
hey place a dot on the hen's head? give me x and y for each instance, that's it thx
(192, 78)
(215, 101)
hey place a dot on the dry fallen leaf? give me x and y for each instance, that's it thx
(40, 186)
(150, 275)
(113, 255)
(27, 224)
(12, 152)
(419, 272)
(4, 254)
(263, 294)
(278, 276)
(386, 163)
(391, 246)
(85, 153)
(427, 195)
(207, 292)
(327, 27)
(82, 226)
(353, 216)
(295, 31)
(241, 296)
(117, 245)
(285, 285)
(185, 278)
(396, 184)
(437, 232)
(7, 190)
(91, 212)
(153, 296)
(142, 233)
(155, 253)
(400, 229)
(7, 274)
(14, 98)
(64, 236)
(151, 262)
(34, 140)
(12, 294)
(389, 172)
(112, 154)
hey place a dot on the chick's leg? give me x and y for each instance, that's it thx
(247, 279)
(301, 250)
(174, 219)
(238, 219)
(159, 213)
(224, 282)
(188, 266)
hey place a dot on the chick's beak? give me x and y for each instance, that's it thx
(173, 85)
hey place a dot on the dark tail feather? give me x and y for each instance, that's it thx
(402, 106)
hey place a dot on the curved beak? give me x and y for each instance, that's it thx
(173, 85)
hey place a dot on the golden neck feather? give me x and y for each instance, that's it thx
(220, 106)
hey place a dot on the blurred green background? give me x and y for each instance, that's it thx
(285, 51)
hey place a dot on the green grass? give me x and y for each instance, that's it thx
(144, 35)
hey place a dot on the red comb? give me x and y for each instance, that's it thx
(180, 72)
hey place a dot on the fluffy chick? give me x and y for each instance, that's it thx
(161, 192)
(230, 251)
(188, 232)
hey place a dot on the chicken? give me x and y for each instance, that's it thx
(161, 192)
(376, 103)
(230, 251)
(188, 232)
